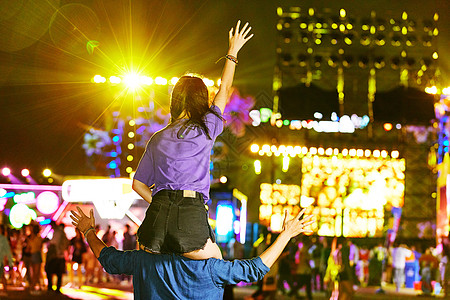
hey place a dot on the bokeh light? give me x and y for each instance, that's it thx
(20, 215)
(47, 202)
(25, 172)
(6, 171)
(132, 81)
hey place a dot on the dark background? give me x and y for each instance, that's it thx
(47, 99)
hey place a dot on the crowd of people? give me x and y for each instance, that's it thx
(32, 260)
(339, 266)
(335, 266)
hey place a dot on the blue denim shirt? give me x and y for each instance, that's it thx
(170, 276)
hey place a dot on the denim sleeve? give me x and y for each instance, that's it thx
(118, 262)
(214, 124)
(231, 272)
(144, 172)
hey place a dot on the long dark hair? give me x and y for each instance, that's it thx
(190, 95)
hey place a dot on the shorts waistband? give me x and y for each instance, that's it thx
(184, 193)
(142, 247)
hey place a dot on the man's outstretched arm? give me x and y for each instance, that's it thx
(86, 225)
(250, 270)
(291, 229)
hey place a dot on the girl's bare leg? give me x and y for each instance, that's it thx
(211, 250)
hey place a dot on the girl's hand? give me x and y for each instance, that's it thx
(297, 225)
(238, 38)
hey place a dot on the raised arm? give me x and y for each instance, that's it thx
(86, 225)
(237, 39)
(291, 229)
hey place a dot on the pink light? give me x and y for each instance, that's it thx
(31, 187)
(25, 172)
(60, 210)
(6, 171)
(46, 231)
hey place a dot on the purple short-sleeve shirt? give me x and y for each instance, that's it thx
(174, 163)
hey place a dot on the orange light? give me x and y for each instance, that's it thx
(387, 126)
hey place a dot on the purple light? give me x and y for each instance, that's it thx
(31, 187)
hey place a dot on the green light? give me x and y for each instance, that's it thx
(286, 122)
(91, 45)
(266, 113)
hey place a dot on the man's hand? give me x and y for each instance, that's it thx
(297, 225)
(81, 221)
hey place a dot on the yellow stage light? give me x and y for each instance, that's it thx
(129, 170)
(99, 79)
(130, 157)
(387, 126)
(266, 148)
(132, 81)
(431, 90)
(395, 154)
(254, 148)
(376, 153)
(286, 160)
(174, 80)
(290, 151)
(257, 165)
(47, 173)
(25, 172)
(208, 82)
(131, 134)
(131, 122)
(223, 179)
(115, 80)
(160, 81)
(146, 80)
(384, 153)
(130, 146)
(446, 91)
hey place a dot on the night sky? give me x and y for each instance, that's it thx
(46, 97)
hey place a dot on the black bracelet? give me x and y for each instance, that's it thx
(87, 231)
(232, 58)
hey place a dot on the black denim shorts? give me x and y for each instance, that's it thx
(175, 224)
